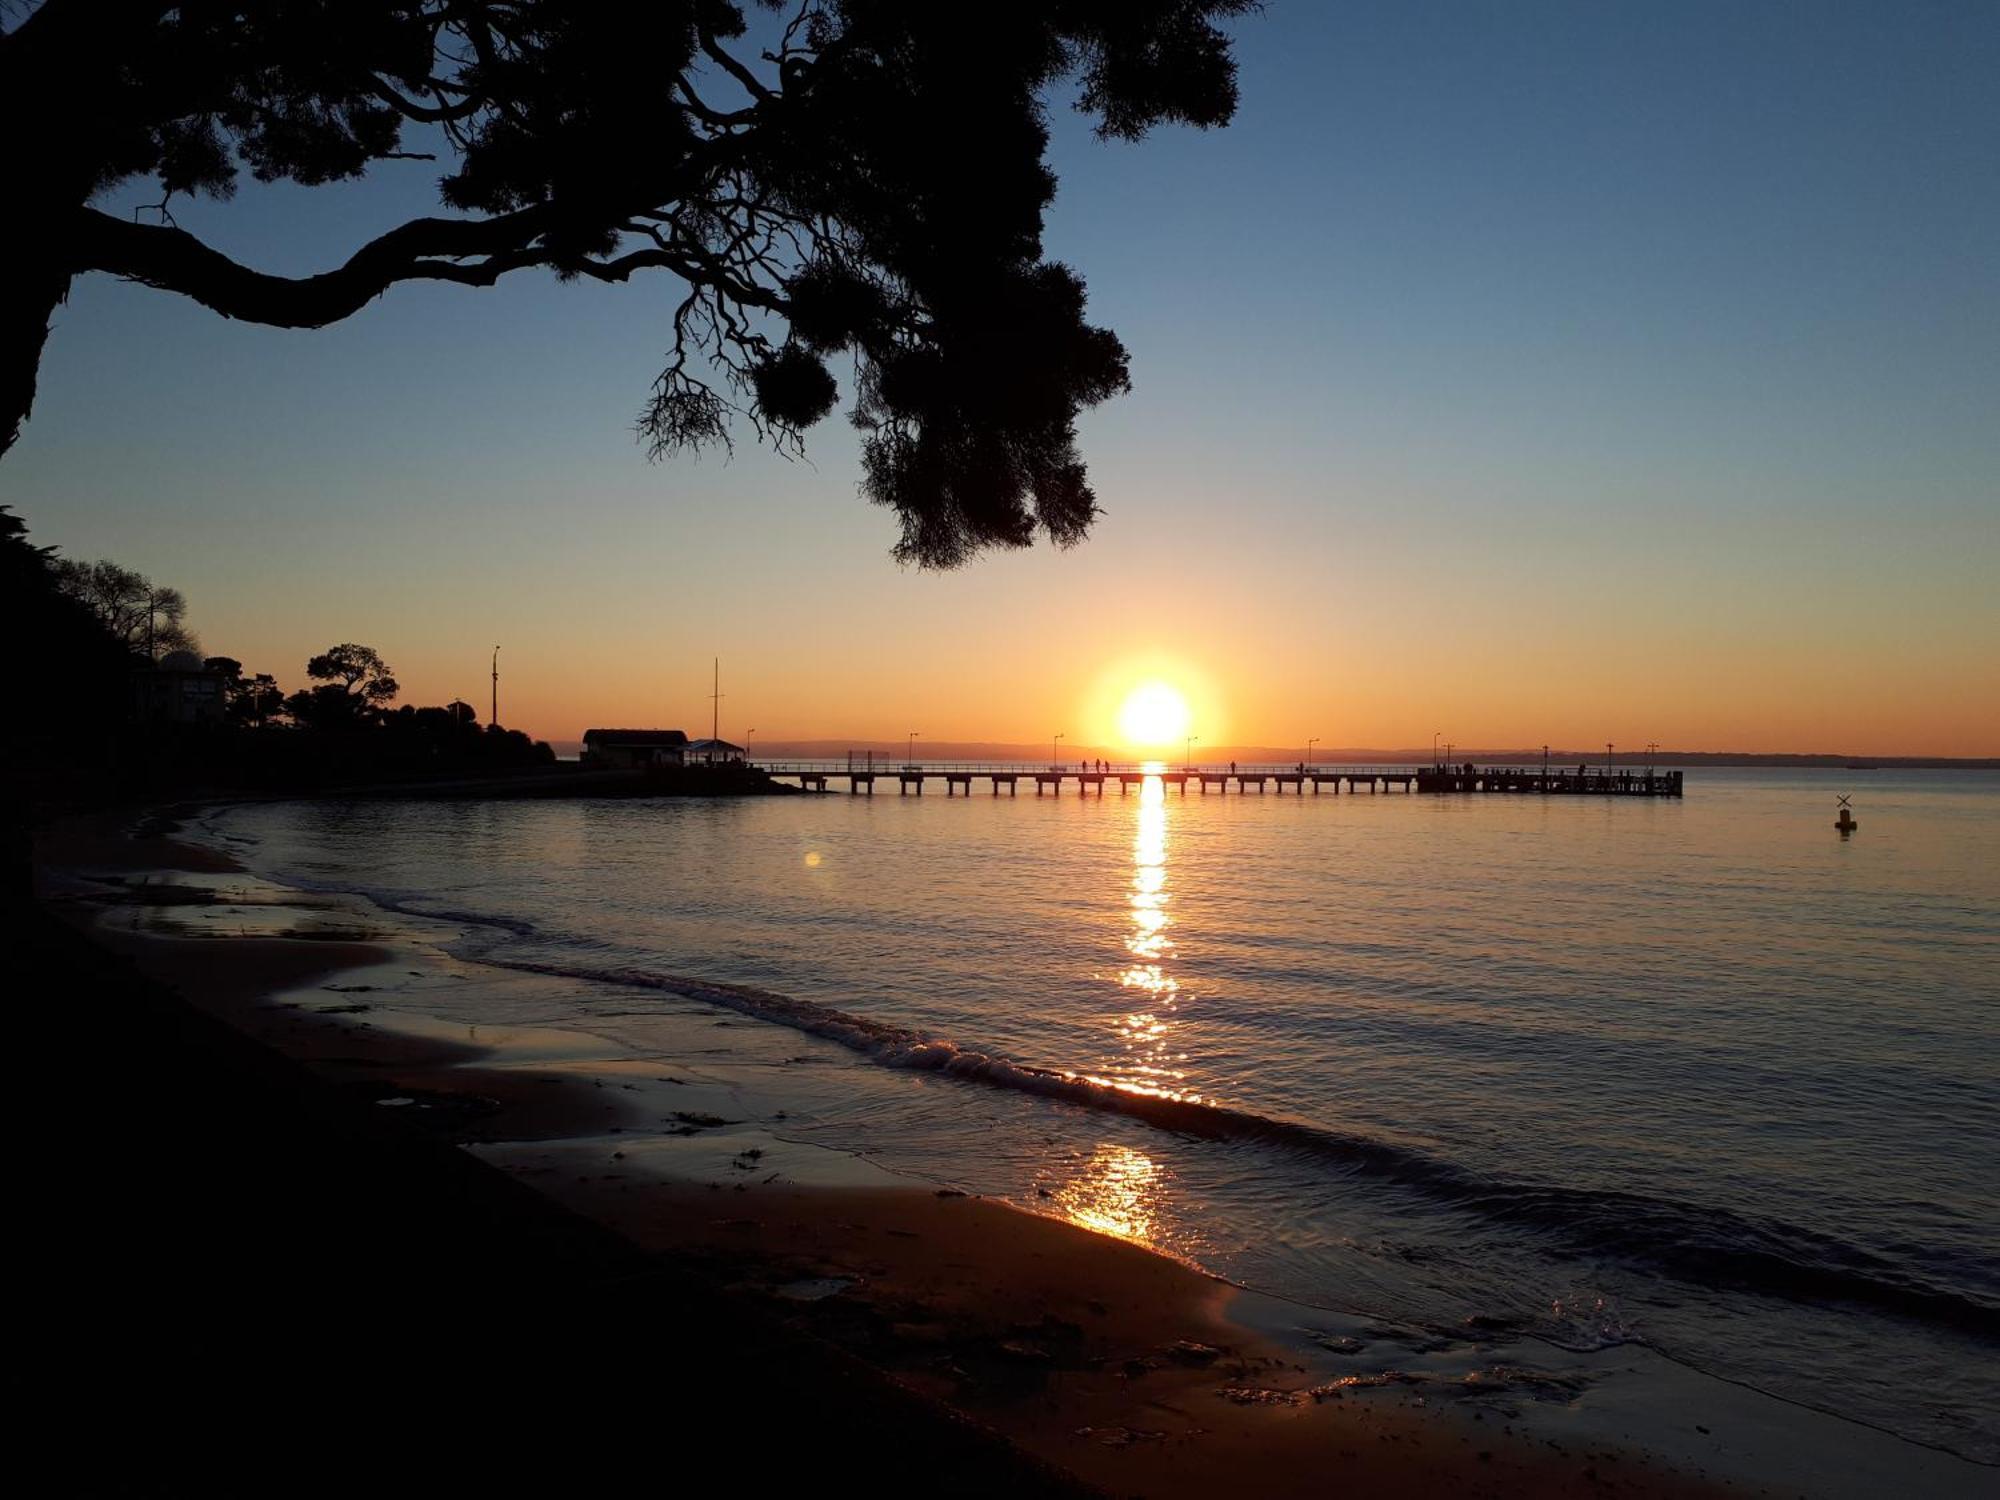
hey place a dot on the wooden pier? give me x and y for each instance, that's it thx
(1604, 781)
(862, 772)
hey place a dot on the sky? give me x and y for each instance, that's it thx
(1520, 372)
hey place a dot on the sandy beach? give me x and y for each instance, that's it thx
(1087, 1354)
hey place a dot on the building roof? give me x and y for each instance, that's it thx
(675, 737)
(718, 747)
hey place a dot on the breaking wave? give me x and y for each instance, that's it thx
(1709, 1246)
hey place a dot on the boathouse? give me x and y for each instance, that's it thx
(633, 749)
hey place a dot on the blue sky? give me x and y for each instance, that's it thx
(1486, 327)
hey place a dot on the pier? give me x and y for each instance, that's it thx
(860, 774)
(1603, 781)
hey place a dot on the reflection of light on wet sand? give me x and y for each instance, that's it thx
(1117, 1191)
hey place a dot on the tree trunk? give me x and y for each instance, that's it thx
(29, 297)
(58, 72)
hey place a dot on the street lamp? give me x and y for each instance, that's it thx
(746, 743)
(1054, 739)
(1309, 747)
(1435, 733)
(1187, 752)
(910, 754)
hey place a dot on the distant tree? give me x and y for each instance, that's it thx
(359, 670)
(246, 700)
(356, 685)
(867, 184)
(256, 700)
(145, 618)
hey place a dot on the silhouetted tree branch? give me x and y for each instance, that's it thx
(145, 619)
(867, 184)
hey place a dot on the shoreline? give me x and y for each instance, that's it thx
(1026, 1323)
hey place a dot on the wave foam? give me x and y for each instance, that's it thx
(1709, 1246)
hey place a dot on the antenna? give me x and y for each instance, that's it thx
(495, 717)
(715, 705)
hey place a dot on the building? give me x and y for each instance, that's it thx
(632, 749)
(714, 753)
(178, 689)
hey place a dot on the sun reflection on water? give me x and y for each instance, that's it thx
(1146, 1032)
(1117, 1191)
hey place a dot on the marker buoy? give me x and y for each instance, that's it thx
(1846, 821)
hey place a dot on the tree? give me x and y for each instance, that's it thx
(356, 685)
(256, 700)
(866, 181)
(147, 619)
(359, 670)
(60, 740)
(246, 700)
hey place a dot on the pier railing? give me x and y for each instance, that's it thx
(891, 766)
(861, 772)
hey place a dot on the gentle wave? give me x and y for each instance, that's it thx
(1708, 1246)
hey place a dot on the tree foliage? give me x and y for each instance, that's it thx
(50, 737)
(356, 686)
(359, 670)
(254, 700)
(859, 186)
(146, 619)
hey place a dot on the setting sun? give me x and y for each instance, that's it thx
(1153, 714)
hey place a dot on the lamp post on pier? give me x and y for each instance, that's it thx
(1436, 764)
(1054, 740)
(1309, 748)
(910, 752)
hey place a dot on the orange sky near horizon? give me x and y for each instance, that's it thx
(1348, 640)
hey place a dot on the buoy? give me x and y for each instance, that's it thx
(1846, 821)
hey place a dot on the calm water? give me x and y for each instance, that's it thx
(1697, 1074)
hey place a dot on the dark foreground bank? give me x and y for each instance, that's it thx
(239, 1275)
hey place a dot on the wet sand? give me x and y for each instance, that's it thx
(238, 1273)
(1094, 1355)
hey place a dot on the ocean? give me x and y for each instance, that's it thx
(1697, 1075)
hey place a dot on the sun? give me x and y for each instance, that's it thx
(1154, 714)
